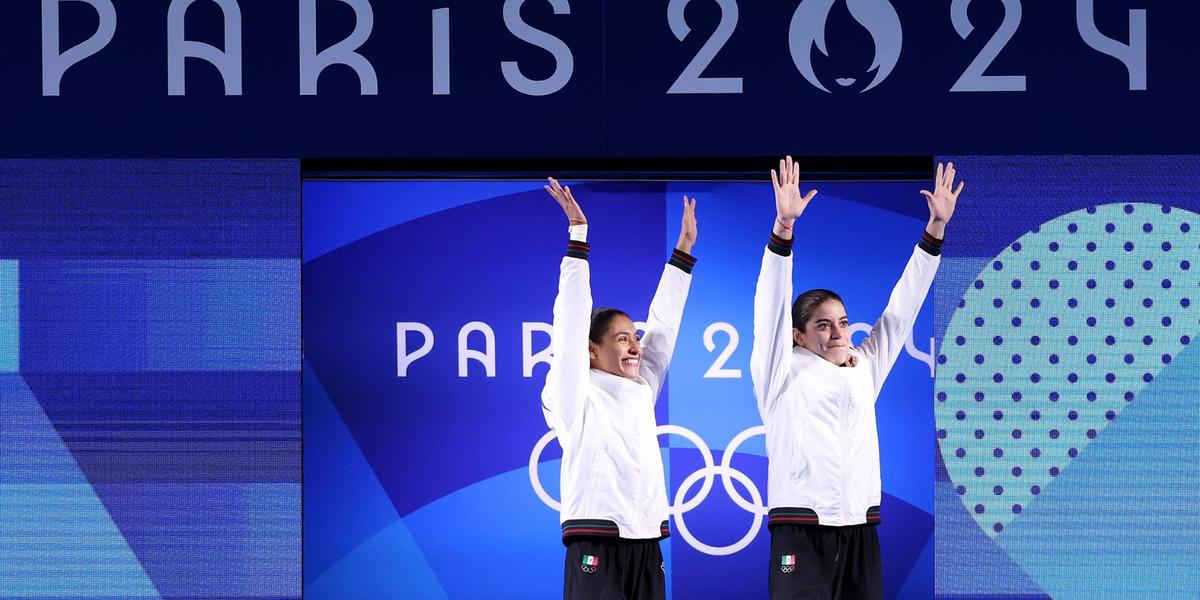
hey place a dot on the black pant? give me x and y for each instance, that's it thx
(615, 569)
(812, 562)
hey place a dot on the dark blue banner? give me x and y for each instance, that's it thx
(345, 78)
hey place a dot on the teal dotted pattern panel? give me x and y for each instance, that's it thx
(1057, 334)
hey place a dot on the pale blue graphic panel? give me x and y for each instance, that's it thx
(1067, 388)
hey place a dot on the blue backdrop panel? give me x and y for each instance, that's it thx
(150, 209)
(453, 472)
(1066, 394)
(46, 503)
(151, 415)
(10, 324)
(427, 271)
(238, 315)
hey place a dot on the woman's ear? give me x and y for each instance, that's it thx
(797, 337)
(591, 350)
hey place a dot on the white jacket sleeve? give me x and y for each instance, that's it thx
(882, 347)
(662, 324)
(770, 355)
(566, 388)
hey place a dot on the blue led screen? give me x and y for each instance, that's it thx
(149, 379)
(1068, 400)
(429, 470)
(151, 375)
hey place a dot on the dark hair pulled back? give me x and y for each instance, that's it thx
(806, 303)
(601, 318)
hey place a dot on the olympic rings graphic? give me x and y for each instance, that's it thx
(534, 480)
(787, 569)
(754, 505)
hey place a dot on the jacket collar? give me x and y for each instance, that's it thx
(613, 384)
(808, 356)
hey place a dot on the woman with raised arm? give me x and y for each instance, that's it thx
(816, 395)
(599, 399)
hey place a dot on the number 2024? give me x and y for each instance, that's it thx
(973, 79)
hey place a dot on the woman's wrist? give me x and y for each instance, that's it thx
(936, 228)
(783, 227)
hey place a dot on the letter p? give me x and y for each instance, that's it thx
(54, 62)
(403, 357)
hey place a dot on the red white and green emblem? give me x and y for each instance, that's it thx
(589, 564)
(787, 563)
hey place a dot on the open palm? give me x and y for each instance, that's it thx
(563, 196)
(789, 203)
(944, 197)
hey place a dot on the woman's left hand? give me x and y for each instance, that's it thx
(687, 229)
(944, 196)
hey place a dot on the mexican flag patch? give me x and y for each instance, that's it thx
(591, 561)
(787, 560)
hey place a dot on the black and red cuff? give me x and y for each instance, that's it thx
(779, 245)
(578, 249)
(930, 244)
(683, 260)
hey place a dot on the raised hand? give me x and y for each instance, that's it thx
(788, 201)
(687, 229)
(942, 199)
(563, 196)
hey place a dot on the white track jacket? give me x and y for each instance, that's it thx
(612, 473)
(822, 443)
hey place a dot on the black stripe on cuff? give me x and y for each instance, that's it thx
(930, 244)
(779, 245)
(682, 260)
(578, 249)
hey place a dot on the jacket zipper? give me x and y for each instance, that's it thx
(845, 455)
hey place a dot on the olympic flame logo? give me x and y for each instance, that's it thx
(878, 17)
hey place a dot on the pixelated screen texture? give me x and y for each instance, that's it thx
(1067, 395)
(149, 379)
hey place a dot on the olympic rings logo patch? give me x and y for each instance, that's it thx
(754, 505)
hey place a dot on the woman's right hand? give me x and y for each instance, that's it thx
(563, 196)
(788, 201)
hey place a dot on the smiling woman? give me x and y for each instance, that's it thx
(614, 345)
(614, 501)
